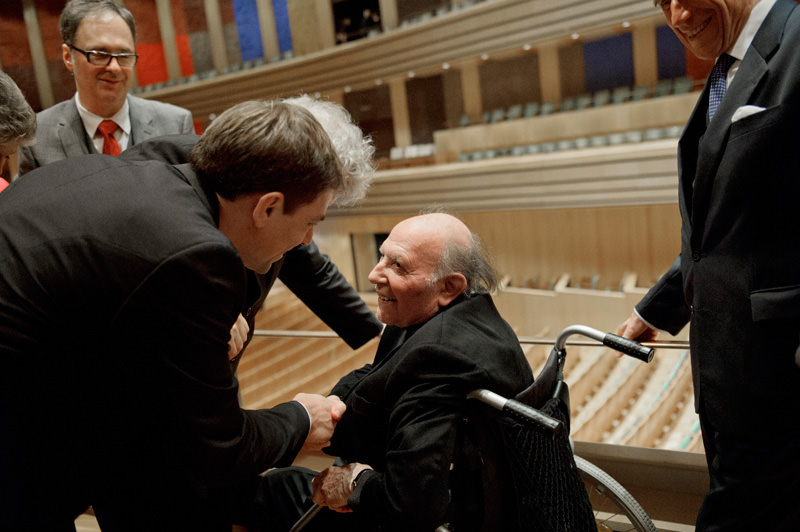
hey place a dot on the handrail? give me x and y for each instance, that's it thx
(535, 340)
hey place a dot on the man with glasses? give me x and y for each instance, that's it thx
(99, 49)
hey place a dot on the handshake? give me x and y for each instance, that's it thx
(324, 413)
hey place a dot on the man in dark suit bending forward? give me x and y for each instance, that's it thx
(119, 282)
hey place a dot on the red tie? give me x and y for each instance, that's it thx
(110, 144)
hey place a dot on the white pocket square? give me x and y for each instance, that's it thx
(745, 111)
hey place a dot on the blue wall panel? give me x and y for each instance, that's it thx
(281, 11)
(608, 63)
(246, 13)
(671, 54)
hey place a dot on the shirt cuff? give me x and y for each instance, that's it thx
(645, 321)
(307, 414)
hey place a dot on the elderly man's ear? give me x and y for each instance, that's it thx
(453, 286)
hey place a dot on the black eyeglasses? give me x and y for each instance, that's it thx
(98, 58)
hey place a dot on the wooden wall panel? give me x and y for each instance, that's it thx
(537, 246)
(500, 90)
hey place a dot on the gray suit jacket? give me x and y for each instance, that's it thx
(60, 133)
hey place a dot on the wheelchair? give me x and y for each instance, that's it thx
(521, 448)
(553, 490)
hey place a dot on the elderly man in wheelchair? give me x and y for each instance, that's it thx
(414, 453)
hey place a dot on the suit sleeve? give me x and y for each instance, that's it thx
(26, 161)
(664, 305)
(187, 127)
(177, 324)
(321, 286)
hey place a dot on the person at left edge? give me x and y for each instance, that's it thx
(17, 123)
(91, 29)
(119, 284)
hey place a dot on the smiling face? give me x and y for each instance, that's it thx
(707, 28)
(410, 286)
(102, 89)
(409, 257)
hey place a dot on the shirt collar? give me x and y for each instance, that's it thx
(91, 120)
(754, 21)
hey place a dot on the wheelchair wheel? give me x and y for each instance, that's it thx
(615, 509)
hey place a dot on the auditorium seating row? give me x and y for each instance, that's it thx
(628, 121)
(425, 154)
(235, 67)
(422, 16)
(599, 98)
(443, 7)
(595, 141)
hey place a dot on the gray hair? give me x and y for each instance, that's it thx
(76, 10)
(17, 119)
(472, 261)
(355, 150)
(256, 147)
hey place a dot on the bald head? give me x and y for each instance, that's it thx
(436, 231)
(461, 252)
(427, 262)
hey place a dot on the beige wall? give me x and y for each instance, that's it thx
(543, 244)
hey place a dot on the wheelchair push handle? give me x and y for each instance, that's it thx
(517, 410)
(629, 347)
(623, 345)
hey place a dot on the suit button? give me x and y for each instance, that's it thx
(695, 256)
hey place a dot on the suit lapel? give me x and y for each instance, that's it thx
(141, 121)
(391, 339)
(698, 179)
(72, 134)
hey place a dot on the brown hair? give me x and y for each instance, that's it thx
(76, 10)
(17, 119)
(268, 146)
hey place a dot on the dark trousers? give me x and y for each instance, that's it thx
(754, 481)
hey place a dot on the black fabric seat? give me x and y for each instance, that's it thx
(529, 478)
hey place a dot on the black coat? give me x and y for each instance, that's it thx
(404, 410)
(738, 276)
(117, 295)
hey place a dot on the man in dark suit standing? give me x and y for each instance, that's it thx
(737, 279)
(99, 49)
(119, 284)
(400, 433)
